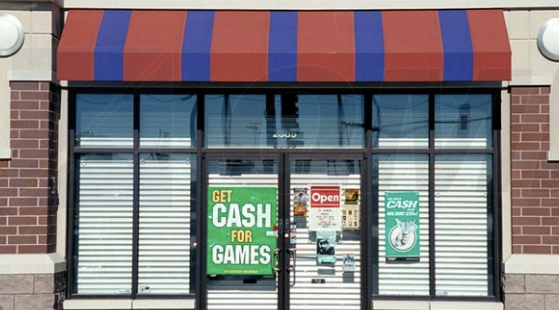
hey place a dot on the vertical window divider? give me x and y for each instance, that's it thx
(497, 192)
(371, 199)
(136, 196)
(366, 223)
(73, 185)
(201, 283)
(432, 284)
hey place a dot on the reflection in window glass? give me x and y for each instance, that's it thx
(242, 291)
(104, 120)
(236, 120)
(104, 224)
(463, 121)
(400, 121)
(403, 173)
(318, 121)
(167, 121)
(167, 201)
(463, 225)
(292, 121)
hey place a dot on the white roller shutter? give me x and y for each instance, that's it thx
(165, 221)
(233, 294)
(104, 245)
(461, 226)
(337, 292)
(404, 174)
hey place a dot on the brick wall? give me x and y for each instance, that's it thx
(535, 181)
(28, 199)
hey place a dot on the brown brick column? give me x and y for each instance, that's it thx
(535, 181)
(535, 204)
(28, 196)
(29, 200)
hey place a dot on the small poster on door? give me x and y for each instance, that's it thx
(325, 212)
(351, 196)
(402, 226)
(351, 217)
(300, 201)
(349, 263)
(326, 248)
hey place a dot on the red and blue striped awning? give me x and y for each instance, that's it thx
(285, 46)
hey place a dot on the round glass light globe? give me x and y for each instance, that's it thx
(548, 39)
(11, 39)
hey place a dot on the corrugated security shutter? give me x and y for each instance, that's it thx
(105, 224)
(234, 294)
(165, 221)
(461, 225)
(397, 173)
(337, 292)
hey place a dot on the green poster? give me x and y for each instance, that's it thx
(402, 226)
(241, 236)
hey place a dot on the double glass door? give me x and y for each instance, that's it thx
(284, 233)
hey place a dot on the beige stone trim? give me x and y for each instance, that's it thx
(62, 213)
(31, 263)
(456, 305)
(506, 205)
(532, 264)
(435, 305)
(308, 4)
(163, 304)
(5, 153)
(97, 304)
(5, 107)
(128, 304)
(41, 76)
(400, 305)
(553, 154)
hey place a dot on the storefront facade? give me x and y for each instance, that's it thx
(282, 158)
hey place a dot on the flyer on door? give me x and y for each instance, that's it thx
(402, 226)
(241, 235)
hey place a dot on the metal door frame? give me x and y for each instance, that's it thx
(283, 158)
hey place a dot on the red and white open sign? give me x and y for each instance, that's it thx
(325, 197)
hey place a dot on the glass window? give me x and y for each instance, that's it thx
(292, 121)
(167, 196)
(402, 175)
(167, 121)
(104, 224)
(463, 121)
(236, 121)
(318, 121)
(112, 207)
(463, 221)
(400, 121)
(104, 120)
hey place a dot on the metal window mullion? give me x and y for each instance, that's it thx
(432, 274)
(497, 190)
(136, 197)
(201, 214)
(73, 187)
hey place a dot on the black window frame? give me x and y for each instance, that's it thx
(368, 151)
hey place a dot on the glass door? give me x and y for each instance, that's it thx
(325, 234)
(284, 234)
(242, 235)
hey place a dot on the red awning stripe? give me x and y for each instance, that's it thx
(76, 50)
(306, 46)
(239, 51)
(492, 51)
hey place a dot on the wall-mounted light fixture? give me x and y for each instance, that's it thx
(548, 39)
(12, 36)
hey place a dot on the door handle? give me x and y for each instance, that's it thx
(293, 254)
(292, 267)
(275, 255)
